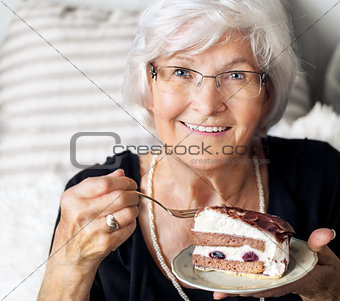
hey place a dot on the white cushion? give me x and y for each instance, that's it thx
(61, 77)
(321, 123)
(332, 81)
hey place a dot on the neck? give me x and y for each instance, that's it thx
(194, 188)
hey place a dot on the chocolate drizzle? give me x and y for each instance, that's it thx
(278, 227)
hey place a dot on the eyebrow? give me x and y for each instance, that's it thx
(227, 65)
(183, 57)
(236, 61)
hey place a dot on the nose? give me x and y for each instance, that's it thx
(206, 99)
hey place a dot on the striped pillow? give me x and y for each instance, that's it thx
(60, 73)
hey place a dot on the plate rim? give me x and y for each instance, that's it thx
(246, 290)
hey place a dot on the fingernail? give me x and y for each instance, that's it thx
(334, 233)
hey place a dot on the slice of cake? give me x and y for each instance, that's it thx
(246, 243)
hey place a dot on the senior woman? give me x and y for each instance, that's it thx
(211, 77)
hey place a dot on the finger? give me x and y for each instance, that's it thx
(122, 235)
(113, 202)
(103, 205)
(275, 293)
(98, 243)
(80, 212)
(117, 173)
(96, 186)
(318, 241)
(123, 217)
(98, 225)
(320, 238)
(219, 295)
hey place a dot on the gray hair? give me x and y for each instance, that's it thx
(160, 34)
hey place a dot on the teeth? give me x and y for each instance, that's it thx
(190, 126)
(208, 129)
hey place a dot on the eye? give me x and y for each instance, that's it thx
(182, 73)
(237, 75)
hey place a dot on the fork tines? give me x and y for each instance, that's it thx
(184, 213)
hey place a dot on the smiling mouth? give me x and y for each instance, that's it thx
(206, 129)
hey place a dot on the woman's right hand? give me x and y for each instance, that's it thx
(83, 238)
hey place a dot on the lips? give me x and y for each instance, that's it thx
(206, 129)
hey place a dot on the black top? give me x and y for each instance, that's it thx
(304, 185)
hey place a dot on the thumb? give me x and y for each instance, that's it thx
(117, 173)
(219, 296)
(318, 241)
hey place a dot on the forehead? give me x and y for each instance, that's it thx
(235, 49)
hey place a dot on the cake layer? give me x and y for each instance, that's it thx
(275, 260)
(244, 253)
(218, 239)
(235, 266)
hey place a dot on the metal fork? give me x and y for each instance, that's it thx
(187, 213)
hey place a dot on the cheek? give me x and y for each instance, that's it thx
(167, 107)
(249, 115)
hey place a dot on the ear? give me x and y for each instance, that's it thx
(149, 99)
(268, 98)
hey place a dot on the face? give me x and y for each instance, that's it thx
(236, 118)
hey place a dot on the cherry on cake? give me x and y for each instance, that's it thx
(241, 242)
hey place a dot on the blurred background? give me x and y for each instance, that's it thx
(316, 46)
(61, 67)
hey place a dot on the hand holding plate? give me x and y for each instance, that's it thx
(320, 284)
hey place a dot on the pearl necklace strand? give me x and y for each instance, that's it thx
(152, 225)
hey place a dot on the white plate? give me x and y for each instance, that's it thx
(302, 261)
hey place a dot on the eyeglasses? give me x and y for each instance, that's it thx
(180, 80)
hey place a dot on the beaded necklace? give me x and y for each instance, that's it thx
(152, 225)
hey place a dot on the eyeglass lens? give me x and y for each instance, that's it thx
(242, 84)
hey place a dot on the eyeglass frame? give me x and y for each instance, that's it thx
(263, 75)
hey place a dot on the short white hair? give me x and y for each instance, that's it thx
(203, 23)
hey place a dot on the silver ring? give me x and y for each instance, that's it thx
(112, 222)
